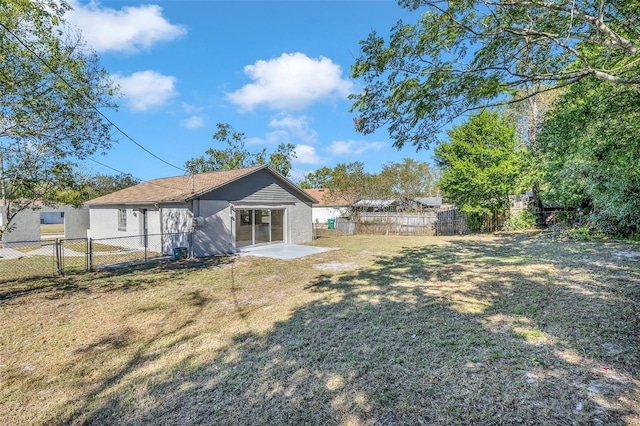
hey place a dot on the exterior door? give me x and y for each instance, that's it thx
(259, 226)
(244, 227)
(144, 228)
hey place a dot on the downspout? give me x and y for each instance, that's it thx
(161, 225)
(195, 211)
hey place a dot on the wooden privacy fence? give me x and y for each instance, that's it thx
(443, 222)
(394, 223)
(346, 225)
(451, 222)
(447, 222)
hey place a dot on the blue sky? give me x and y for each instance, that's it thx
(277, 71)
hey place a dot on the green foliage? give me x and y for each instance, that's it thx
(523, 220)
(236, 156)
(481, 164)
(87, 187)
(592, 154)
(349, 183)
(584, 233)
(51, 87)
(321, 178)
(460, 56)
(407, 179)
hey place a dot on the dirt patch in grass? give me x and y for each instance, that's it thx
(336, 266)
(386, 330)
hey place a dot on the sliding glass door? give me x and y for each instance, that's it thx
(244, 228)
(263, 226)
(259, 226)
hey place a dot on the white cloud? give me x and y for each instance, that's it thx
(306, 154)
(146, 89)
(194, 122)
(128, 29)
(289, 129)
(297, 127)
(354, 147)
(291, 81)
(190, 109)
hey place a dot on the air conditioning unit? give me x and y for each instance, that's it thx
(197, 222)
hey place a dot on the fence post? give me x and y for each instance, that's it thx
(90, 254)
(58, 255)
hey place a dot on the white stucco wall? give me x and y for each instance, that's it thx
(176, 226)
(26, 224)
(168, 226)
(300, 224)
(76, 222)
(321, 214)
(216, 235)
(103, 223)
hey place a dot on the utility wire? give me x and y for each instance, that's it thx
(124, 173)
(87, 100)
(114, 169)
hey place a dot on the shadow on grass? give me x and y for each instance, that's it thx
(509, 332)
(131, 278)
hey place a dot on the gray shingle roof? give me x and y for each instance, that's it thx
(174, 189)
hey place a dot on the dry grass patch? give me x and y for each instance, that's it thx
(386, 330)
(47, 229)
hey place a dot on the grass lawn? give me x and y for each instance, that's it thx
(52, 229)
(476, 330)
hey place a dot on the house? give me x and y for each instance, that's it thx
(425, 203)
(366, 205)
(328, 207)
(26, 223)
(213, 213)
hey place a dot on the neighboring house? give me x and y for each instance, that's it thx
(366, 205)
(328, 207)
(425, 203)
(26, 224)
(215, 213)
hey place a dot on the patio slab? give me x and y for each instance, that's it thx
(282, 251)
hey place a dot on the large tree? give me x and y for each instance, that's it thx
(237, 156)
(481, 164)
(51, 90)
(346, 183)
(591, 147)
(407, 179)
(462, 56)
(320, 178)
(86, 186)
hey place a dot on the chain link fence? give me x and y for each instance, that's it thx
(39, 259)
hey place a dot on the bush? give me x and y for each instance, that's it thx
(585, 233)
(524, 219)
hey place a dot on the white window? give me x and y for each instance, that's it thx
(122, 219)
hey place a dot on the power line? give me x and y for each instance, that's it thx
(114, 169)
(88, 101)
(124, 173)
